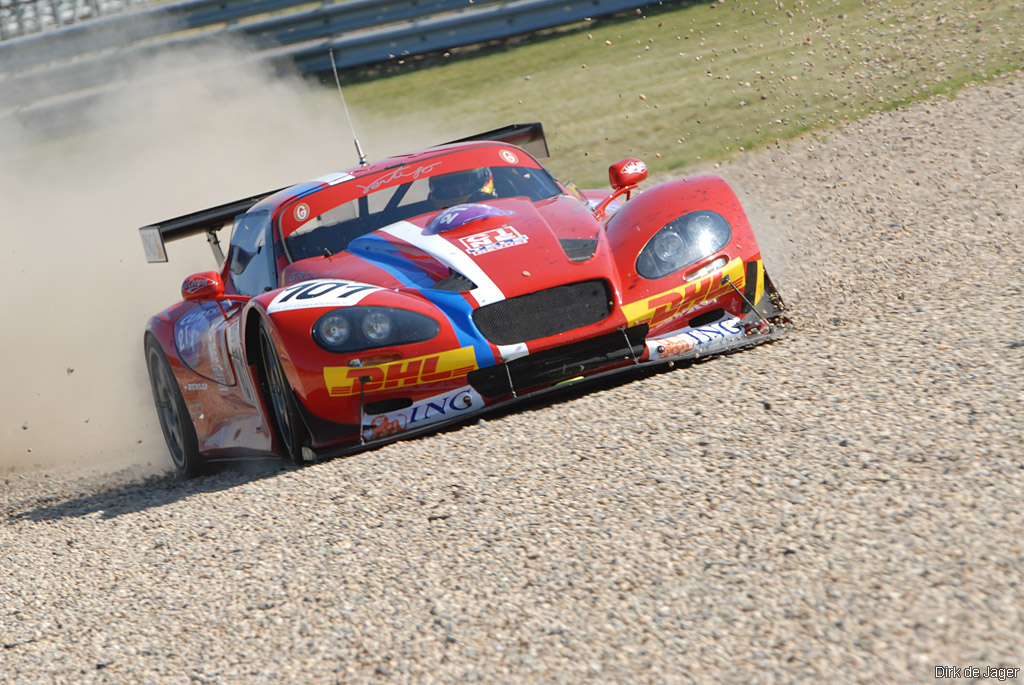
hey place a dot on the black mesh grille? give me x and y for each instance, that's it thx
(544, 313)
(551, 366)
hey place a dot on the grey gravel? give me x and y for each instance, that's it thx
(842, 506)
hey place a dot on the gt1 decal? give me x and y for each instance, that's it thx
(322, 293)
(509, 156)
(301, 212)
(423, 413)
(677, 302)
(494, 239)
(342, 381)
(694, 338)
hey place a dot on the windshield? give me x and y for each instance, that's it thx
(380, 205)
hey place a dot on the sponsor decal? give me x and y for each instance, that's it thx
(423, 413)
(342, 381)
(404, 173)
(197, 283)
(193, 387)
(460, 215)
(634, 167)
(153, 244)
(383, 426)
(680, 301)
(509, 156)
(690, 339)
(320, 293)
(672, 347)
(301, 212)
(213, 345)
(494, 239)
(218, 374)
(190, 329)
(449, 254)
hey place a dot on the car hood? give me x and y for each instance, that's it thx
(492, 251)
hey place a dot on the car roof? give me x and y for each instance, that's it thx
(285, 195)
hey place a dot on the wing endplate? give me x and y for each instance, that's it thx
(208, 221)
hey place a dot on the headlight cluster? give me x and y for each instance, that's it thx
(361, 328)
(682, 242)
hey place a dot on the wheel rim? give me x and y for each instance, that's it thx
(276, 389)
(164, 388)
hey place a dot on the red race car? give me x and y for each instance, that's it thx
(377, 303)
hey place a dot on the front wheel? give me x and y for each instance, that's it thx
(175, 421)
(280, 400)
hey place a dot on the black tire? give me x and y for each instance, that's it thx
(287, 424)
(175, 420)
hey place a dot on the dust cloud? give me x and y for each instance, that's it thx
(179, 135)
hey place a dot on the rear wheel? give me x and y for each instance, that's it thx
(175, 421)
(280, 401)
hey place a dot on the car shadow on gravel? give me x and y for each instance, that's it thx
(128, 492)
(560, 395)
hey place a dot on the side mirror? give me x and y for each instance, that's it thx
(624, 177)
(628, 172)
(207, 285)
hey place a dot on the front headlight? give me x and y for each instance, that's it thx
(377, 326)
(333, 328)
(352, 329)
(682, 242)
(668, 246)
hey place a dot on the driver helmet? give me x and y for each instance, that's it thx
(448, 190)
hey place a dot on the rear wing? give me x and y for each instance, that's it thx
(208, 221)
(530, 137)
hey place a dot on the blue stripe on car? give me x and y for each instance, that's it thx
(383, 255)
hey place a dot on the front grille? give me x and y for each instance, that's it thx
(559, 363)
(547, 312)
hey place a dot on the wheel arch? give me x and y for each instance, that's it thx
(641, 218)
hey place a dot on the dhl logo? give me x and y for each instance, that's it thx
(342, 381)
(679, 301)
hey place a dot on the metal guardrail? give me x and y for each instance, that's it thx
(468, 28)
(104, 50)
(95, 56)
(157, 26)
(24, 17)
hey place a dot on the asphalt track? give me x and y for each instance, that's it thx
(840, 506)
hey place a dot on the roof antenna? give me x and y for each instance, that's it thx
(359, 149)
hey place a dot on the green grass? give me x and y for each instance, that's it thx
(697, 83)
